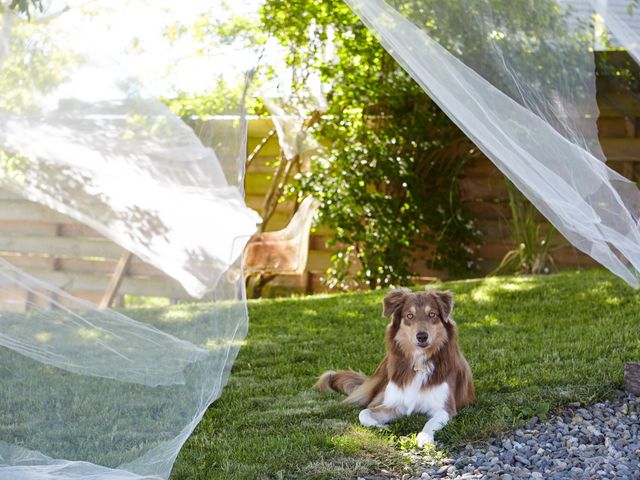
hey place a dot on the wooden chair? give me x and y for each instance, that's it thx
(283, 252)
(268, 254)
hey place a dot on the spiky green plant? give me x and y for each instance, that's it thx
(531, 237)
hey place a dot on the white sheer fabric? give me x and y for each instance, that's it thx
(90, 142)
(291, 98)
(88, 393)
(289, 119)
(518, 78)
(95, 394)
(622, 19)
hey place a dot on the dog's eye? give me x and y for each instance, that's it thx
(409, 316)
(432, 314)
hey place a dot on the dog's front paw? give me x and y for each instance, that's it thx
(425, 438)
(367, 419)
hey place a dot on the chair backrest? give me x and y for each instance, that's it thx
(286, 251)
(300, 224)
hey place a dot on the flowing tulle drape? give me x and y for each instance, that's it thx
(88, 393)
(518, 78)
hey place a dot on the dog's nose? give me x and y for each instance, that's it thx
(422, 337)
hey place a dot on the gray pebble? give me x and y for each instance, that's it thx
(442, 470)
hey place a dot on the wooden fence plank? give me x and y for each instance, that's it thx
(621, 149)
(493, 210)
(60, 246)
(9, 195)
(257, 183)
(13, 300)
(259, 127)
(77, 230)
(137, 268)
(15, 227)
(612, 127)
(82, 261)
(619, 104)
(483, 188)
(86, 282)
(30, 261)
(318, 260)
(262, 165)
(24, 210)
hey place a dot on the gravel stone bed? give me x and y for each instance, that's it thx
(601, 441)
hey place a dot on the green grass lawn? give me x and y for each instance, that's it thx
(533, 343)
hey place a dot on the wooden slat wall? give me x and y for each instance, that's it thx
(483, 192)
(72, 256)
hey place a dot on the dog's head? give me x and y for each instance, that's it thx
(420, 322)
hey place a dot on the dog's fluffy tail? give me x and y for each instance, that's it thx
(359, 389)
(344, 381)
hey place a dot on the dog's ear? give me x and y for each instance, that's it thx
(394, 301)
(445, 305)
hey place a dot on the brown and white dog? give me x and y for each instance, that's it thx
(422, 372)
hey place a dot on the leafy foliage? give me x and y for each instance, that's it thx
(388, 178)
(217, 31)
(532, 238)
(222, 99)
(32, 64)
(25, 6)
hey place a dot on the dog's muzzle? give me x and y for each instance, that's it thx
(423, 339)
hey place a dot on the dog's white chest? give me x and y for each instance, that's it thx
(413, 398)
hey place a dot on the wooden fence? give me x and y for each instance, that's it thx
(483, 191)
(484, 194)
(72, 256)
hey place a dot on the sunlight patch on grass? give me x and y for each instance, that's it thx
(491, 287)
(43, 337)
(613, 301)
(483, 294)
(181, 314)
(218, 343)
(308, 410)
(359, 438)
(513, 382)
(90, 333)
(487, 321)
(133, 301)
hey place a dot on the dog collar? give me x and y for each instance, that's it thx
(422, 365)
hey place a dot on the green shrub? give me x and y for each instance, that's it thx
(388, 177)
